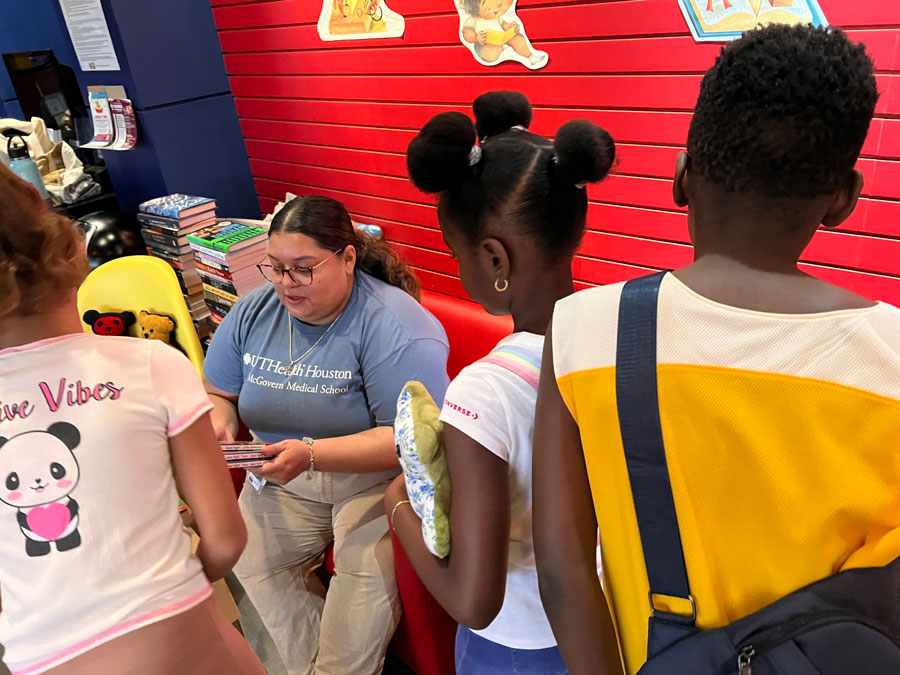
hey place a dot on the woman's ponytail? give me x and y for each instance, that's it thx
(376, 258)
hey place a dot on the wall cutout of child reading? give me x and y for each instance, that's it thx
(494, 33)
(512, 210)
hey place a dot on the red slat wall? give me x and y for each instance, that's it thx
(335, 118)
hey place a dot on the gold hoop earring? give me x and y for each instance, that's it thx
(498, 288)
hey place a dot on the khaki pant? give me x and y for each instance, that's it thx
(288, 531)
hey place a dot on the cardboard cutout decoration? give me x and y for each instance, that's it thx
(358, 20)
(494, 34)
(723, 20)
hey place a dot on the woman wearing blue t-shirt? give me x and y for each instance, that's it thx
(313, 363)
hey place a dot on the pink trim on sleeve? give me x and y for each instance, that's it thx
(177, 427)
(117, 631)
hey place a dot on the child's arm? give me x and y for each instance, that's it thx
(565, 536)
(204, 481)
(469, 33)
(471, 582)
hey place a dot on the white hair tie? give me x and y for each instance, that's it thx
(580, 186)
(474, 155)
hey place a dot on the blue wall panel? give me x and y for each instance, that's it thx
(193, 147)
(172, 49)
(189, 139)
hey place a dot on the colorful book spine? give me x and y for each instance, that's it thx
(220, 309)
(211, 255)
(224, 236)
(231, 297)
(213, 270)
(161, 237)
(167, 248)
(224, 286)
(150, 220)
(180, 258)
(174, 205)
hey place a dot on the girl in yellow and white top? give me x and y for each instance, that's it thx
(779, 394)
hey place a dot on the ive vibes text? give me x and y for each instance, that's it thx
(65, 393)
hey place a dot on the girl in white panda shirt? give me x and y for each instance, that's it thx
(96, 571)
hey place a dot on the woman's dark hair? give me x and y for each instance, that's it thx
(783, 112)
(327, 222)
(519, 177)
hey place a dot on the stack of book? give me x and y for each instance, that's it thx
(225, 257)
(166, 222)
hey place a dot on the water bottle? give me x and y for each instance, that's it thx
(24, 166)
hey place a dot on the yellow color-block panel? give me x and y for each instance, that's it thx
(778, 481)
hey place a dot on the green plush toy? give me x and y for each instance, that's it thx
(419, 435)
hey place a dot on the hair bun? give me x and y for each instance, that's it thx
(585, 152)
(438, 157)
(500, 111)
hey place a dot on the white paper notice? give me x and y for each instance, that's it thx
(90, 34)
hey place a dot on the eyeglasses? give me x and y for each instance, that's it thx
(302, 276)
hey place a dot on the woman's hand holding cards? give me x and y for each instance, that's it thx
(288, 460)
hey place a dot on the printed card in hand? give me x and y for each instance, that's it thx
(244, 455)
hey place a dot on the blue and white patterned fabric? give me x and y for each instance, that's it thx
(419, 446)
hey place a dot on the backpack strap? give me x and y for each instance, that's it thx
(645, 456)
(525, 363)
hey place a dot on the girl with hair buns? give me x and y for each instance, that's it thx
(512, 210)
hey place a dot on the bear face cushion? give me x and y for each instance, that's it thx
(156, 326)
(419, 436)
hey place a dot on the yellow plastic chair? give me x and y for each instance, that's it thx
(141, 282)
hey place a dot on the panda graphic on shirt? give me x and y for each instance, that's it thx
(38, 472)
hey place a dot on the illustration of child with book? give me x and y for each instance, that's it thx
(358, 19)
(494, 34)
(721, 20)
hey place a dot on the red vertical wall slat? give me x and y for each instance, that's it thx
(335, 118)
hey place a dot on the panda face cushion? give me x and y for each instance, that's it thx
(419, 436)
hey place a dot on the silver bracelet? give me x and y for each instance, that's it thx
(312, 458)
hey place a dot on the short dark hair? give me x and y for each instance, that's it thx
(783, 112)
(523, 178)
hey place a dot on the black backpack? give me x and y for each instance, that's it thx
(847, 624)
